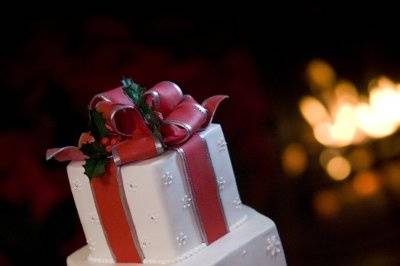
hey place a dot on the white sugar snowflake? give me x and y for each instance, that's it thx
(91, 244)
(93, 218)
(273, 245)
(221, 183)
(181, 239)
(221, 144)
(145, 243)
(154, 218)
(187, 201)
(167, 179)
(133, 187)
(237, 203)
(76, 185)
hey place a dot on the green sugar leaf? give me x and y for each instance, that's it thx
(95, 166)
(94, 149)
(97, 125)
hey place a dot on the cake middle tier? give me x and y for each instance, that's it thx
(159, 197)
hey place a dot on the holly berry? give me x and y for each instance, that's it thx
(114, 141)
(105, 141)
(109, 148)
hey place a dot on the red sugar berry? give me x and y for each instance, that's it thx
(105, 141)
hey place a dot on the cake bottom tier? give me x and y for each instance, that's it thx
(256, 242)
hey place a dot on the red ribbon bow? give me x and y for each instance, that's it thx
(180, 114)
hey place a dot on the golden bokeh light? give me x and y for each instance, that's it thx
(320, 74)
(313, 110)
(361, 158)
(344, 128)
(374, 123)
(326, 155)
(294, 159)
(322, 133)
(326, 204)
(349, 118)
(338, 168)
(392, 177)
(346, 92)
(366, 183)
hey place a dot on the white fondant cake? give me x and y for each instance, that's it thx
(159, 199)
(254, 243)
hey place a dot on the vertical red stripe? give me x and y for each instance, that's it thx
(204, 188)
(112, 216)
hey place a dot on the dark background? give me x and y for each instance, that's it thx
(52, 63)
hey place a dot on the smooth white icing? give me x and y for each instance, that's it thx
(256, 242)
(223, 170)
(85, 204)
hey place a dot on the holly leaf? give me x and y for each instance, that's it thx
(135, 93)
(94, 149)
(95, 166)
(97, 125)
(133, 90)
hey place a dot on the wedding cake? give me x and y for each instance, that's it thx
(153, 184)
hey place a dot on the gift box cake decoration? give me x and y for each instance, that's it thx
(136, 134)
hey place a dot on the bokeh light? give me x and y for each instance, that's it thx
(326, 204)
(338, 168)
(366, 183)
(320, 74)
(294, 159)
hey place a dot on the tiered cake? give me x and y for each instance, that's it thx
(161, 192)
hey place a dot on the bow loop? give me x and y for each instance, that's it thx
(185, 120)
(164, 97)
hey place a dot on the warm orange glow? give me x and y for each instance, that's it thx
(344, 128)
(373, 122)
(320, 74)
(392, 177)
(366, 183)
(322, 133)
(361, 158)
(338, 168)
(349, 118)
(326, 155)
(313, 110)
(294, 159)
(326, 204)
(346, 93)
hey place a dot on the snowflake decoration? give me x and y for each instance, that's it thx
(154, 218)
(237, 203)
(145, 243)
(132, 187)
(221, 183)
(273, 245)
(181, 239)
(187, 201)
(167, 179)
(221, 144)
(76, 185)
(93, 218)
(91, 244)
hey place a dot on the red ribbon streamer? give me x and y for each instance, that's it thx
(204, 188)
(114, 219)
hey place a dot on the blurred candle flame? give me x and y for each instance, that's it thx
(340, 117)
(338, 168)
(366, 183)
